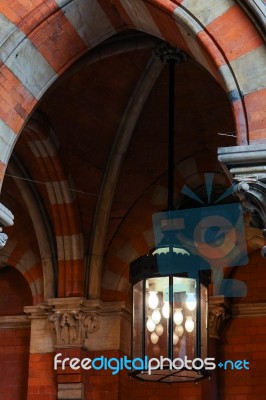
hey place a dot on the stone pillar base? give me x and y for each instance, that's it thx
(73, 391)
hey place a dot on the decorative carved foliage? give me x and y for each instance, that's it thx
(218, 314)
(73, 328)
(90, 325)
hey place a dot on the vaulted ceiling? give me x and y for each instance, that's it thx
(105, 126)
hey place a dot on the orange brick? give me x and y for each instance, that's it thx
(259, 355)
(64, 219)
(16, 101)
(34, 273)
(255, 105)
(166, 24)
(240, 122)
(58, 41)
(235, 40)
(17, 11)
(211, 49)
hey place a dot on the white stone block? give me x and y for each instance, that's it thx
(250, 70)
(141, 17)
(206, 11)
(88, 18)
(7, 141)
(10, 37)
(31, 68)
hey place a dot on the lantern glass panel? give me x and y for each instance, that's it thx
(184, 318)
(137, 319)
(157, 317)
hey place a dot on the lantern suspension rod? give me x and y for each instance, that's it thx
(170, 55)
(171, 134)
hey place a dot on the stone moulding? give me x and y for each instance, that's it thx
(249, 310)
(14, 322)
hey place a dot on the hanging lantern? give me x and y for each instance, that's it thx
(170, 303)
(174, 324)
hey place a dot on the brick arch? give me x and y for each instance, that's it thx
(14, 295)
(62, 203)
(27, 262)
(52, 35)
(209, 34)
(40, 41)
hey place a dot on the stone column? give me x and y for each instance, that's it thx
(42, 379)
(81, 326)
(72, 325)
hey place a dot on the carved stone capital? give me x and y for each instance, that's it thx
(73, 328)
(72, 323)
(76, 320)
(246, 168)
(218, 314)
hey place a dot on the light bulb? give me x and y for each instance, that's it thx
(159, 329)
(153, 300)
(189, 324)
(178, 316)
(166, 310)
(156, 316)
(150, 325)
(179, 330)
(154, 338)
(191, 301)
(175, 339)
